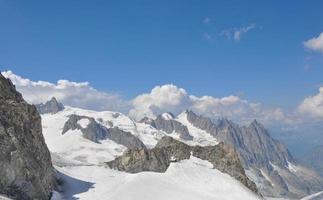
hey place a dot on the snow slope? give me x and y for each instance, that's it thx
(200, 137)
(80, 163)
(190, 180)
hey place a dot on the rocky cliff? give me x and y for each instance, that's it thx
(26, 170)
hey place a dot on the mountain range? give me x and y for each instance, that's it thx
(266, 161)
(73, 153)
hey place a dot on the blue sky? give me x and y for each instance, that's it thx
(131, 46)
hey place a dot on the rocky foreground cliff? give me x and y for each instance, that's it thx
(26, 170)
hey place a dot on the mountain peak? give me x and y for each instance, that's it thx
(52, 106)
(256, 124)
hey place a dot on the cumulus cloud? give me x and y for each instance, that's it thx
(313, 105)
(315, 44)
(166, 98)
(174, 99)
(79, 94)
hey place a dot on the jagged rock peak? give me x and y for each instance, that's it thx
(26, 169)
(52, 106)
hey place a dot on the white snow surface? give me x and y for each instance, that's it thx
(189, 179)
(84, 122)
(80, 163)
(200, 137)
(315, 196)
(292, 167)
(167, 116)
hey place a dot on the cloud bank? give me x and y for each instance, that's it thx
(69, 93)
(172, 98)
(167, 98)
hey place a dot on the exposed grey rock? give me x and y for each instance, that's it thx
(26, 170)
(201, 122)
(170, 150)
(95, 132)
(52, 106)
(147, 120)
(258, 150)
(125, 138)
(170, 126)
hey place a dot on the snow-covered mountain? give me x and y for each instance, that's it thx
(81, 145)
(81, 162)
(267, 161)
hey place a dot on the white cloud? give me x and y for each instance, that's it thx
(239, 32)
(313, 105)
(315, 44)
(236, 33)
(161, 99)
(69, 93)
(170, 98)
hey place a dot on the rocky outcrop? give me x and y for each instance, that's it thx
(52, 106)
(170, 150)
(263, 156)
(125, 138)
(95, 132)
(91, 130)
(169, 126)
(26, 170)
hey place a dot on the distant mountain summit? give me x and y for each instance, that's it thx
(52, 106)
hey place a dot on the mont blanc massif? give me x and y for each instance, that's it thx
(55, 151)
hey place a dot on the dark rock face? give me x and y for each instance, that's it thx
(170, 125)
(95, 132)
(26, 170)
(125, 138)
(203, 123)
(52, 106)
(170, 150)
(258, 151)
